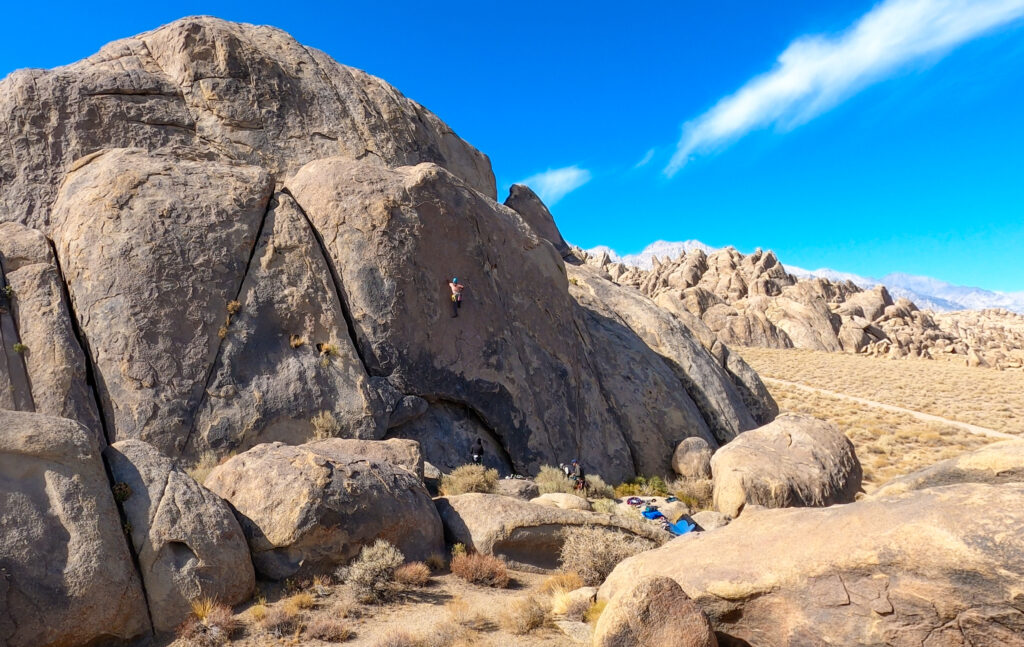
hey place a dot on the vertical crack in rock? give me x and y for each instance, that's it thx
(211, 369)
(92, 376)
(613, 411)
(372, 369)
(21, 385)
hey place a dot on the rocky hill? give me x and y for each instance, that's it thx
(212, 234)
(751, 300)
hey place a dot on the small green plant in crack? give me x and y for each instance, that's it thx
(121, 491)
(8, 291)
(19, 348)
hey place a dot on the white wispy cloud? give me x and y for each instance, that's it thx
(815, 73)
(646, 159)
(554, 184)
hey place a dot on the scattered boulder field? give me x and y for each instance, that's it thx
(221, 248)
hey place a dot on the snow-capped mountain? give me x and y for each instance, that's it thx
(925, 291)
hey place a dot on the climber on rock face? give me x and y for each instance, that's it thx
(457, 289)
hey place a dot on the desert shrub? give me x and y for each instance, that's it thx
(210, 624)
(480, 569)
(234, 307)
(299, 602)
(413, 574)
(321, 585)
(296, 341)
(398, 638)
(278, 621)
(573, 607)
(461, 613)
(469, 478)
(593, 552)
(329, 630)
(597, 488)
(371, 575)
(19, 348)
(523, 615)
(642, 486)
(121, 491)
(552, 479)
(595, 611)
(437, 562)
(695, 493)
(325, 425)
(607, 506)
(207, 461)
(258, 611)
(561, 582)
(443, 634)
(329, 350)
(458, 549)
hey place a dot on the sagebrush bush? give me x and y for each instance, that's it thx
(278, 622)
(696, 493)
(593, 552)
(325, 425)
(642, 486)
(480, 569)
(413, 574)
(469, 478)
(523, 615)
(299, 602)
(371, 575)
(329, 630)
(597, 488)
(552, 479)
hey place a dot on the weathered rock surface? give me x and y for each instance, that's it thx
(310, 507)
(653, 612)
(940, 566)
(524, 489)
(153, 250)
(66, 576)
(54, 361)
(526, 535)
(563, 501)
(709, 519)
(400, 452)
(188, 542)
(1001, 462)
(795, 461)
(251, 93)
(692, 459)
(252, 236)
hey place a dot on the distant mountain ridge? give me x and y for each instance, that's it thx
(925, 291)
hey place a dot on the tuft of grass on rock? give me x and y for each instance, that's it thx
(325, 426)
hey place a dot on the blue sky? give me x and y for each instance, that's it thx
(889, 136)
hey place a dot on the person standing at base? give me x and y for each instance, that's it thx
(477, 452)
(457, 289)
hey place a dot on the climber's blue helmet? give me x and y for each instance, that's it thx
(455, 279)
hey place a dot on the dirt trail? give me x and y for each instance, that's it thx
(974, 429)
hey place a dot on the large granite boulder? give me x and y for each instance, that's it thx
(524, 534)
(1001, 462)
(653, 612)
(187, 541)
(54, 363)
(250, 93)
(692, 459)
(940, 566)
(66, 575)
(400, 452)
(527, 204)
(154, 248)
(310, 507)
(796, 460)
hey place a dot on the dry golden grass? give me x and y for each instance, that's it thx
(993, 399)
(561, 582)
(887, 443)
(523, 615)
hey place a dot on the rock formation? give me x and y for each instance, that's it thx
(252, 238)
(654, 612)
(796, 460)
(66, 575)
(750, 300)
(939, 566)
(187, 541)
(308, 508)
